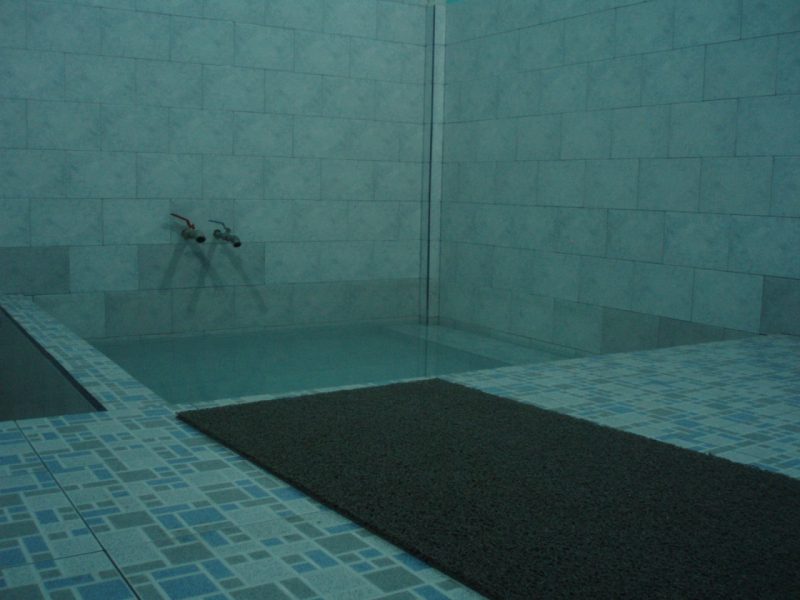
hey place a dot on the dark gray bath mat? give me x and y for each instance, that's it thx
(521, 503)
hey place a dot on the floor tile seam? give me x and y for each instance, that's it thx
(83, 520)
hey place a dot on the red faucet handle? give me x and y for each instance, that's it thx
(189, 224)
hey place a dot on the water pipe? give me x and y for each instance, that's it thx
(190, 232)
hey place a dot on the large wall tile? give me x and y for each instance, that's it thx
(136, 221)
(398, 181)
(202, 40)
(555, 275)
(398, 22)
(100, 174)
(786, 187)
(676, 332)
(615, 83)
(62, 222)
(169, 83)
(589, 37)
(15, 222)
(13, 124)
(64, 27)
(322, 53)
(561, 182)
(731, 300)
(351, 17)
(66, 125)
(706, 22)
(135, 128)
(673, 76)
(296, 14)
(477, 182)
(533, 227)
(669, 184)
(789, 64)
(347, 180)
(103, 268)
(202, 309)
(100, 79)
(781, 305)
(736, 185)
(768, 125)
(169, 176)
(741, 68)
(262, 134)
(626, 331)
(263, 306)
(345, 97)
(644, 27)
(641, 132)
(82, 313)
(264, 47)
(138, 313)
(662, 290)
(233, 177)
(135, 34)
(636, 235)
(611, 183)
(374, 59)
(245, 11)
(233, 88)
(541, 46)
(586, 135)
(29, 74)
(763, 17)
(34, 270)
(12, 23)
(703, 129)
(765, 245)
(295, 178)
(32, 173)
(191, 8)
(563, 89)
(581, 231)
(293, 93)
(399, 101)
(606, 282)
(532, 316)
(697, 240)
(201, 131)
(265, 220)
(577, 325)
(518, 94)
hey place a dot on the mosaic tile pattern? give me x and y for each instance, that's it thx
(133, 503)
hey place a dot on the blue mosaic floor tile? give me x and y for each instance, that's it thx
(89, 577)
(183, 517)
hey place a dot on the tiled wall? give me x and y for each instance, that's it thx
(297, 122)
(622, 174)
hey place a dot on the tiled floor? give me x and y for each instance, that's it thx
(132, 503)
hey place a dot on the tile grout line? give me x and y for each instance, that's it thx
(80, 515)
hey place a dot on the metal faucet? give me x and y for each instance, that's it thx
(225, 235)
(190, 232)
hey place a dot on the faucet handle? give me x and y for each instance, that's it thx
(225, 227)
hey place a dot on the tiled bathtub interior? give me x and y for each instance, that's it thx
(133, 503)
(616, 181)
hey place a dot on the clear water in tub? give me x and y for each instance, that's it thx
(197, 368)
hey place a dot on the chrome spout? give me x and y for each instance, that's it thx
(190, 232)
(225, 234)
